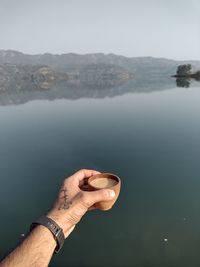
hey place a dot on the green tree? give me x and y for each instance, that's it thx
(184, 70)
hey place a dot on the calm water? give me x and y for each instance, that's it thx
(152, 141)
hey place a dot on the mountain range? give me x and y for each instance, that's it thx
(26, 77)
(71, 61)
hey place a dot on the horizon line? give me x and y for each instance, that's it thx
(94, 53)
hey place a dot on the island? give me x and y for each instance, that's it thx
(185, 71)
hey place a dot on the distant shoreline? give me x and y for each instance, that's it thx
(195, 75)
(95, 53)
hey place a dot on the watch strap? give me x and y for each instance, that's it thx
(54, 228)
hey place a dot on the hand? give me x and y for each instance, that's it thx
(72, 203)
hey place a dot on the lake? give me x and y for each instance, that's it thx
(151, 140)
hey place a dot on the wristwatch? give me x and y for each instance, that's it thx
(54, 228)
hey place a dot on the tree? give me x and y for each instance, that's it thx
(184, 70)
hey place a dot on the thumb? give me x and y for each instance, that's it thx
(99, 195)
(88, 199)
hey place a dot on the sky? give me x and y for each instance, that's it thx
(157, 28)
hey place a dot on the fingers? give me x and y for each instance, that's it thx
(82, 174)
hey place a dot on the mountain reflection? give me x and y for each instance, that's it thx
(75, 90)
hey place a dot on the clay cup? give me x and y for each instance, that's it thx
(105, 180)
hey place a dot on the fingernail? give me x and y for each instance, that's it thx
(111, 193)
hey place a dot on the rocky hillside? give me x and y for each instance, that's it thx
(73, 62)
(23, 77)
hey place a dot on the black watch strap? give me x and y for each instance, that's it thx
(54, 228)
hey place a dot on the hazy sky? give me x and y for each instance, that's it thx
(159, 28)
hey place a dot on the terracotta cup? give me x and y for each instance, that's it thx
(105, 180)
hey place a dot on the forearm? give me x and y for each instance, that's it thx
(71, 204)
(35, 251)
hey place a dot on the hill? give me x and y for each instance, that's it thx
(73, 62)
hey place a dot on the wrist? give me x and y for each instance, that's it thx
(61, 220)
(53, 227)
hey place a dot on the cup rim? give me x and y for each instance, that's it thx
(103, 174)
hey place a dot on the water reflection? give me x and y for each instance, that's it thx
(26, 91)
(23, 91)
(185, 82)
